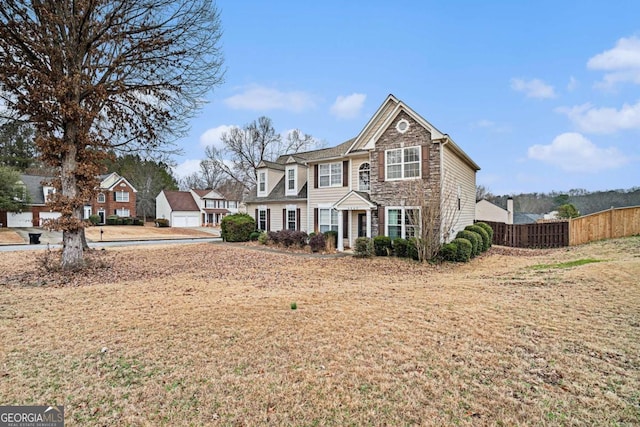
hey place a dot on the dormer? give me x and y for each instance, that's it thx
(295, 176)
(47, 191)
(268, 174)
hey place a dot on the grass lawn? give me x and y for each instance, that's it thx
(205, 334)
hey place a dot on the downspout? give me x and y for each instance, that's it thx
(443, 141)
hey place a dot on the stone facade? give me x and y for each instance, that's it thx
(402, 192)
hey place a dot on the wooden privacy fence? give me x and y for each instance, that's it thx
(542, 235)
(609, 224)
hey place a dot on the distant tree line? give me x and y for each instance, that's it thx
(586, 202)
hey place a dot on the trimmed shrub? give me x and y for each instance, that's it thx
(472, 237)
(488, 229)
(254, 236)
(363, 247)
(400, 247)
(138, 221)
(448, 252)
(161, 222)
(463, 249)
(288, 238)
(483, 234)
(382, 245)
(262, 237)
(94, 219)
(317, 242)
(127, 221)
(237, 227)
(112, 220)
(120, 221)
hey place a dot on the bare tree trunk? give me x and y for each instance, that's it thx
(72, 242)
(72, 258)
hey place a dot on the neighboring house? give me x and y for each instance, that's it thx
(364, 186)
(487, 211)
(115, 196)
(194, 207)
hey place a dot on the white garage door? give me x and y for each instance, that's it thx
(19, 219)
(185, 221)
(48, 215)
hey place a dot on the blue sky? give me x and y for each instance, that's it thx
(543, 95)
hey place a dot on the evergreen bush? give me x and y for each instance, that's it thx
(363, 247)
(400, 247)
(237, 227)
(382, 245)
(486, 242)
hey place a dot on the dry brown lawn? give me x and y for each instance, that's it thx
(136, 232)
(204, 334)
(10, 237)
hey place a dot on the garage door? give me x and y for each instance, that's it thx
(185, 221)
(19, 219)
(48, 215)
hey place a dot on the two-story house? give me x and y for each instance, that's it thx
(114, 196)
(194, 207)
(374, 184)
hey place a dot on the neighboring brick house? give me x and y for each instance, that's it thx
(194, 208)
(366, 186)
(115, 196)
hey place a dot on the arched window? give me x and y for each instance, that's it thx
(101, 198)
(364, 175)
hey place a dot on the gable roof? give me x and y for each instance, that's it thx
(33, 184)
(207, 194)
(181, 201)
(278, 194)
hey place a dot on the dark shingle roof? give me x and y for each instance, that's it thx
(33, 183)
(315, 155)
(181, 201)
(277, 194)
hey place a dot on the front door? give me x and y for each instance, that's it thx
(101, 215)
(362, 225)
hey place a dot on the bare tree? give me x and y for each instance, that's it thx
(244, 148)
(435, 211)
(95, 76)
(483, 193)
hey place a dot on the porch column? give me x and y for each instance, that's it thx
(369, 223)
(340, 239)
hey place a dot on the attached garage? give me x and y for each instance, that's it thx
(23, 219)
(185, 219)
(48, 215)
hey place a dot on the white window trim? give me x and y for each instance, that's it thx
(295, 218)
(403, 229)
(361, 171)
(330, 224)
(331, 184)
(102, 198)
(122, 199)
(121, 211)
(402, 164)
(266, 185)
(399, 125)
(294, 191)
(266, 218)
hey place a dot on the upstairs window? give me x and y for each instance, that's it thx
(101, 198)
(262, 183)
(403, 163)
(330, 175)
(364, 177)
(121, 196)
(291, 181)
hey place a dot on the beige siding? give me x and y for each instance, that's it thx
(487, 211)
(276, 213)
(273, 177)
(323, 196)
(458, 180)
(355, 166)
(384, 114)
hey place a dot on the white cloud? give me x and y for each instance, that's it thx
(186, 168)
(348, 107)
(622, 63)
(573, 84)
(603, 120)
(534, 88)
(260, 98)
(572, 152)
(212, 136)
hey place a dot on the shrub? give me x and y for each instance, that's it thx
(483, 234)
(237, 227)
(262, 237)
(364, 248)
(382, 245)
(448, 252)
(288, 238)
(94, 219)
(331, 239)
(488, 229)
(400, 247)
(412, 249)
(120, 221)
(463, 249)
(473, 238)
(161, 222)
(254, 236)
(317, 242)
(113, 220)
(138, 221)
(127, 221)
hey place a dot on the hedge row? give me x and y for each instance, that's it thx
(469, 243)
